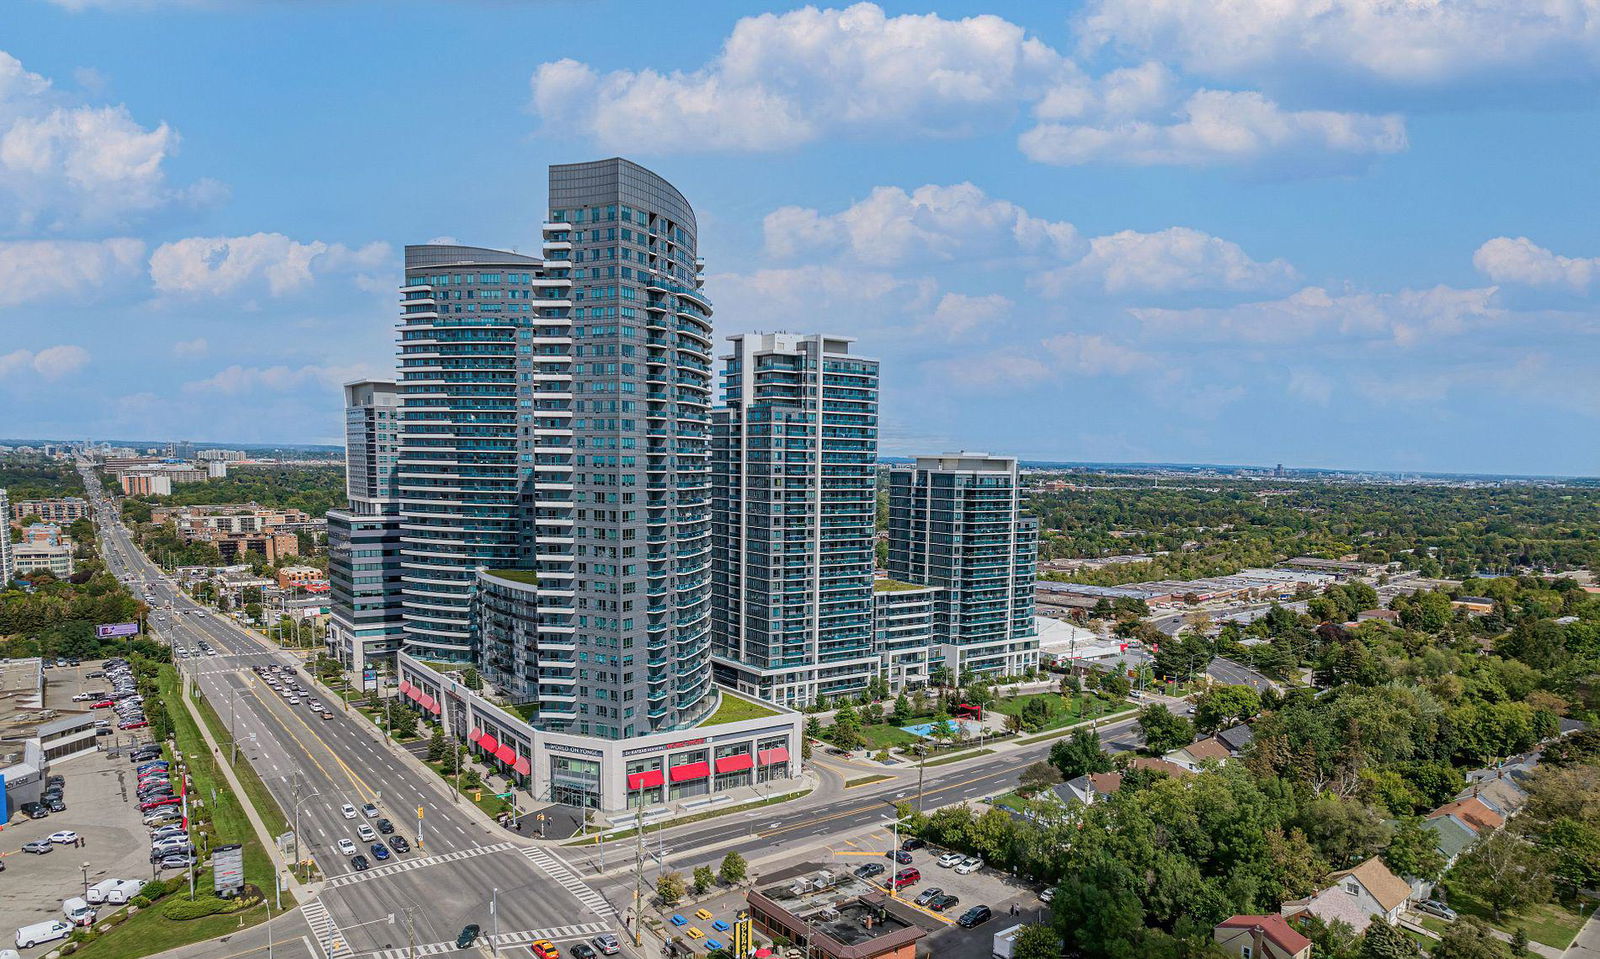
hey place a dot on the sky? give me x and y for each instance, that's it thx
(1323, 233)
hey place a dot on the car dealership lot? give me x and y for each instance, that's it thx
(99, 792)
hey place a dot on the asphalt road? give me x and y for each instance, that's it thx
(448, 879)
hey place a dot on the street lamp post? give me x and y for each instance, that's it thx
(298, 800)
(85, 868)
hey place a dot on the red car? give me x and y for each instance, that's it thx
(138, 725)
(102, 704)
(159, 803)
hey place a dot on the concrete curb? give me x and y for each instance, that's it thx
(266, 838)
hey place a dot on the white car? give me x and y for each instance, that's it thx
(951, 859)
(348, 810)
(294, 700)
(346, 847)
(969, 865)
(366, 834)
(64, 838)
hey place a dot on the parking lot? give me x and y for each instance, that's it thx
(98, 793)
(984, 886)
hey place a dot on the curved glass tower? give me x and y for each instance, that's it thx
(641, 386)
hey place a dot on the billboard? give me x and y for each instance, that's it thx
(109, 630)
(227, 865)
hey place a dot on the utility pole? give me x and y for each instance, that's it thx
(638, 869)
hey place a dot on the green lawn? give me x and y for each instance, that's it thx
(734, 709)
(970, 754)
(866, 780)
(883, 735)
(1063, 711)
(255, 790)
(1551, 923)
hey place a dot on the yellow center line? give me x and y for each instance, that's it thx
(356, 781)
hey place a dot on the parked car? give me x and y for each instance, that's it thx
(951, 859)
(976, 916)
(177, 861)
(31, 935)
(928, 895)
(912, 844)
(869, 870)
(941, 903)
(906, 877)
(38, 846)
(64, 837)
(161, 803)
(969, 865)
(35, 810)
(898, 855)
(1436, 908)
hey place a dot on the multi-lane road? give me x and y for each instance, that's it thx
(313, 767)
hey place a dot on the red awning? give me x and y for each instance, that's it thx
(433, 705)
(522, 766)
(770, 756)
(488, 743)
(688, 771)
(649, 779)
(505, 754)
(405, 688)
(475, 735)
(732, 764)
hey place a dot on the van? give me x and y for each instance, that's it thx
(30, 936)
(123, 890)
(97, 892)
(78, 912)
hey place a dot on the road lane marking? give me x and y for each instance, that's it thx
(323, 927)
(557, 869)
(406, 865)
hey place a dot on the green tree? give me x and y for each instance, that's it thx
(704, 879)
(1163, 731)
(1469, 938)
(1505, 871)
(671, 888)
(1222, 706)
(901, 714)
(1383, 941)
(438, 747)
(733, 869)
(1096, 912)
(1036, 942)
(1413, 850)
(1079, 754)
(1116, 684)
(846, 729)
(1038, 777)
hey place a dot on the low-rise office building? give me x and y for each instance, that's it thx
(65, 511)
(27, 557)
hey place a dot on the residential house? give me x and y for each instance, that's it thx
(1474, 605)
(1087, 789)
(1197, 753)
(1452, 837)
(1236, 738)
(1472, 813)
(1504, 796)
(1151, 764)
(1260, 937)
(1357, 896)
(1386, 615)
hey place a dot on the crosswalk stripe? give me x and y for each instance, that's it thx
(327, 933)
(562, 873)
(406, 865)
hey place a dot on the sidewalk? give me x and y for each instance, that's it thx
(269, 841)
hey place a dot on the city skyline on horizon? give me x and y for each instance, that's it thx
(1124, 249)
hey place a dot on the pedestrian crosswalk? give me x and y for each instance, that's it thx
(329, 938)
(564, 876)
(554, 934)
(406, 865)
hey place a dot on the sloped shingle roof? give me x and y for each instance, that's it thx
(1274, 928)
(1390, 890)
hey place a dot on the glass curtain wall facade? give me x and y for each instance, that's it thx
(794, 455)
(641, 388)
(461, 476)
(955, 521)
(366, 622)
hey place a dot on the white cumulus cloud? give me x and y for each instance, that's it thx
(892, 226)
(1211, 127)
(1520, 260)
(66, 165)
(32, 270)
(1404, 318)
(191, 349)
(958, 313)
(1171, 260)
(51, 363)
(216, 265)
(237, 380)
(790, 78)
(1403, 43)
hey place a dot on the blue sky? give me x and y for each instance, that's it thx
(1342, 233)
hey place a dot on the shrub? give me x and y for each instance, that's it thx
(139, 902)
(199, 907)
